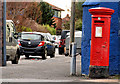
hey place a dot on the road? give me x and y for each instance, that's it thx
(35, 69)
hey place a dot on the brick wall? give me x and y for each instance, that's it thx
(58, 22)
(0, 33)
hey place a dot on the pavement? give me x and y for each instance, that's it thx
(51, 70)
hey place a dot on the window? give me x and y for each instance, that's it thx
(31, 36)
(42, 38)
(57, 14)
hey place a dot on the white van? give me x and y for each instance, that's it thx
(12, 50)
(78, 36)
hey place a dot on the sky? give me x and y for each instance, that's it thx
(64, 4)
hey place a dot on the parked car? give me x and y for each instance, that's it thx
(78, 36)
(49, 36)
(37, 44)
(62, 41)
(56, 39)
(12, 49)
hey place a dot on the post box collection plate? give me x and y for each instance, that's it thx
(98, 32)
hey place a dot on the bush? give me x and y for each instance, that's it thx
(50, 29)
(78, 24)
(23, 28)
(67, 25)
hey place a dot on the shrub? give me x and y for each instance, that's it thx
(67, 25)
(23, 28)
(78, 24)
(50, 29)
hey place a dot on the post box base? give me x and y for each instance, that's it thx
(98, 71)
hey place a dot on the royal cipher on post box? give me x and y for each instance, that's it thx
(100, 40)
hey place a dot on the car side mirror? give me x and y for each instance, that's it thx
(19, 35)
(16, 35)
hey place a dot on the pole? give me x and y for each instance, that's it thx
(73, 59)
(4, 33)
(72, 22)
(72, 44)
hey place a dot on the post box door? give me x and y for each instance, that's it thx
(100, 43)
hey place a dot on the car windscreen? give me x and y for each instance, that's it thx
(31, 36)
(63, 34)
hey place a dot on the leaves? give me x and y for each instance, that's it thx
(33, 12)
(78, 10)
(67, 25)
(50, 29)
(47, 14)
(23, 28)
(78, 25)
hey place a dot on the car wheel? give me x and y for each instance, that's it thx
(44, 56)
(52, 55)
(27, 56)
(15, 61)
(55, 46)
(66, 54)
(60, 52)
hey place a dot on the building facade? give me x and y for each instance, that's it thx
(1, 33)
(114, 57)
(57, 18)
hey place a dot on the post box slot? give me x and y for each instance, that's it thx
(96, 21)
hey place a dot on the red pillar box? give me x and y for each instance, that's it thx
(100, 40)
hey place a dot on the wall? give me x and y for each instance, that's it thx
(0, 33)
(119, 36)
(114, 38)
(58, 22)
(86, 37)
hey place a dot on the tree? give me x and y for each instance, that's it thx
(67, 25)
(78, 25)
(30, 12)
(78, 10)
(15, 8)
(47, 14)
(25, 10)
(33, 11)
(78, 15)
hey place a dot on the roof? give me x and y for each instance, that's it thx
(9, 21)
(40, 33)
(56, 8)
(96, 2)
(33, 33)
(77, 34)
(91, 3)
(65, 30)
